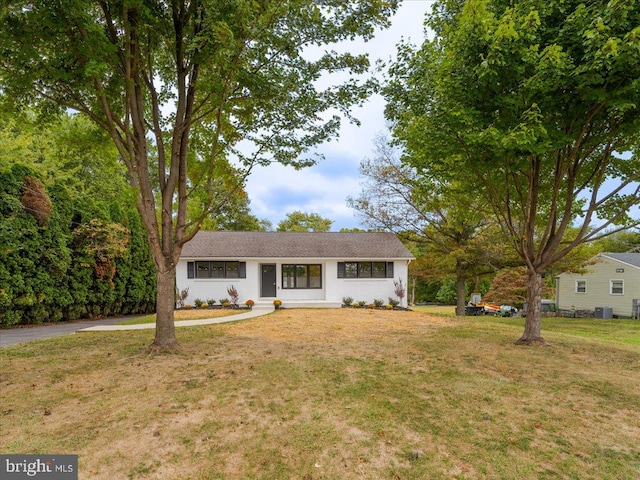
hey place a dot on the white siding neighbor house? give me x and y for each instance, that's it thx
(301, 269)
(611, 287)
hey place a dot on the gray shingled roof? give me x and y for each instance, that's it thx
(630, 258)
(343, 245)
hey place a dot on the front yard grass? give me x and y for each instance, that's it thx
(328, 394)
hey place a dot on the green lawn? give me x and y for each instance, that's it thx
(333, 394)
(613, 330)
(616, 330)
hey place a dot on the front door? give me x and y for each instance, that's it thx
(268, 286)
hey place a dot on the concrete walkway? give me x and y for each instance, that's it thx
(254, 312)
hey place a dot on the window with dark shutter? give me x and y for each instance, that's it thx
(365, 269)
(191, 269)
(217, 269)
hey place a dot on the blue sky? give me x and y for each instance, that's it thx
(275, 191)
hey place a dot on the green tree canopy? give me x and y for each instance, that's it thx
(532, 101)
(181, 85)
(298, 221)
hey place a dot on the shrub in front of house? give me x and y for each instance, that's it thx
(249, 303)
(355, 304)
(211, 302)
(348, 301)
(233, 293)
(362, 303)
(393, 302)
(277, 303)
(224, 301)
(181, 296)
(378, 302)
(198, 303)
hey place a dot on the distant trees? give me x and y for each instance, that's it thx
(621, 242)
(304, 222)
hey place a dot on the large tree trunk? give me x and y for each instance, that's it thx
(460, 290)
(531, 335)
(165, 305)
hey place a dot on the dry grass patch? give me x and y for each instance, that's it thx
(327, 394)
(187, 314)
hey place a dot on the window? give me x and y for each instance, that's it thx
(217, 269)
(617, 287)
(380, 269)
(581, 286)
(301, 276)
(350, 270)
(365, 269)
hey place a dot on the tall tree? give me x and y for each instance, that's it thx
(533, 101)
(158, 74)
(453, 225)
(304, 222)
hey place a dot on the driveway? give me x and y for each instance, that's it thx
(12, 336)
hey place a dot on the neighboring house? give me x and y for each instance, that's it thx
(611, 285)
(299, 268)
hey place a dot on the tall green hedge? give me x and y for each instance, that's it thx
(65, 258)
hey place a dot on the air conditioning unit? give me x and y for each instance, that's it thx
(603, 312)
(635, 309)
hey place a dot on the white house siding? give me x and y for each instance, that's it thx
(331, 294)
(598, 285)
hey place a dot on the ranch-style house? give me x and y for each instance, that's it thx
(301, 269)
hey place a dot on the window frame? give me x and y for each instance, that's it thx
(369, 270)
(296, 272)
(223, 269)
(611, 285)
(578, 290)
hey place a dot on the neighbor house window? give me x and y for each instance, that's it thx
(581, 286)
(217, 269)
(617, 287)
(365, 269)
(301, 276)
